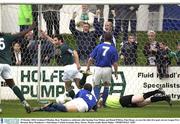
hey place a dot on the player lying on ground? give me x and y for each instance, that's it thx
(136, 100)
(6, 41)
(84, 101)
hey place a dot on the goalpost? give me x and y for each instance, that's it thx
(35, 57)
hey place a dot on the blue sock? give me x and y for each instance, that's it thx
(105, 94)
(97, 91)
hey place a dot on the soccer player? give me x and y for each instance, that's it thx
(136, 100)
(70, 60)
(6, 41)
(84, 101)
(105, 55)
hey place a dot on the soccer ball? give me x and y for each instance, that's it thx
(63, 99)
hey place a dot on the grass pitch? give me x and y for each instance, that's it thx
(14, 109)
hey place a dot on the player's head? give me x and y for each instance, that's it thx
(58, 39)
(84, 8)
(162, 45)
(151, 35)
(86, 27)
(88, 87)
(17, 47)
(108, 36)
(131, 38)
(108, 26)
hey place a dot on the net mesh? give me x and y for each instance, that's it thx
(126, 19)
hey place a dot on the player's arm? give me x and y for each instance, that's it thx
(22, 33)
(76, 59)
(90, 61)
(47, 36)
(115, 65)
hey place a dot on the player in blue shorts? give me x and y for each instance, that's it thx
(105, 56)
(84, 101)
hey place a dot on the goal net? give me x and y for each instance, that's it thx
(127, 21)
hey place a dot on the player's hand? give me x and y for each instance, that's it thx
(78, 66)
(113, 13)
(116, 76)
(98, 12)
(74, 15)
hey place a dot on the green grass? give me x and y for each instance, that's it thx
(158, 110)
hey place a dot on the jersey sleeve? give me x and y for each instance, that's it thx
(94, 52)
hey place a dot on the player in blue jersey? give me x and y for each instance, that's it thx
(105, 56)
(84, 101)
(6, 41)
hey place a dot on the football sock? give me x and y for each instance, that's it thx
(149, 94)
(71, 93)
(18, 93)
(158, 98)
(83, 80)
(105, 94)
(97, 89)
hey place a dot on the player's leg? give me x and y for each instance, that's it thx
(82, 81)
(18, 93)
(155, 99)
(106, 78)
(96, 81)
(7, 76)
(69, 89)
(151, 93)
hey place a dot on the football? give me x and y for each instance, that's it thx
(63, 99)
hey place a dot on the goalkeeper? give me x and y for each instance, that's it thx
(84, 101)
(70, 60)
(136, 100)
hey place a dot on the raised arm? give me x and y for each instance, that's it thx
(47, 36)
(22, 33)
(76, 59)
(72, 26)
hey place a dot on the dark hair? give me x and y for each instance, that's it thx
(59, 37)
(88, 87)
(85, 23)
(108, 36)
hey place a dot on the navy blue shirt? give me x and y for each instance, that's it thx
(104, 55)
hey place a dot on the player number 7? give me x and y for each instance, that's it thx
(105, 50)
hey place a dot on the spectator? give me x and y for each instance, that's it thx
(86, 39)
(25, 16)
(109, 28)
(47, 51)
(30, 50)
(84, 16)
(17, 56)
(129, 51)
(150, 48)
(177, 54)
(126, 13)
(51, 14)
(162, 60)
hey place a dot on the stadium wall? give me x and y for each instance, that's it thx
(9, 16)
(132, 80)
